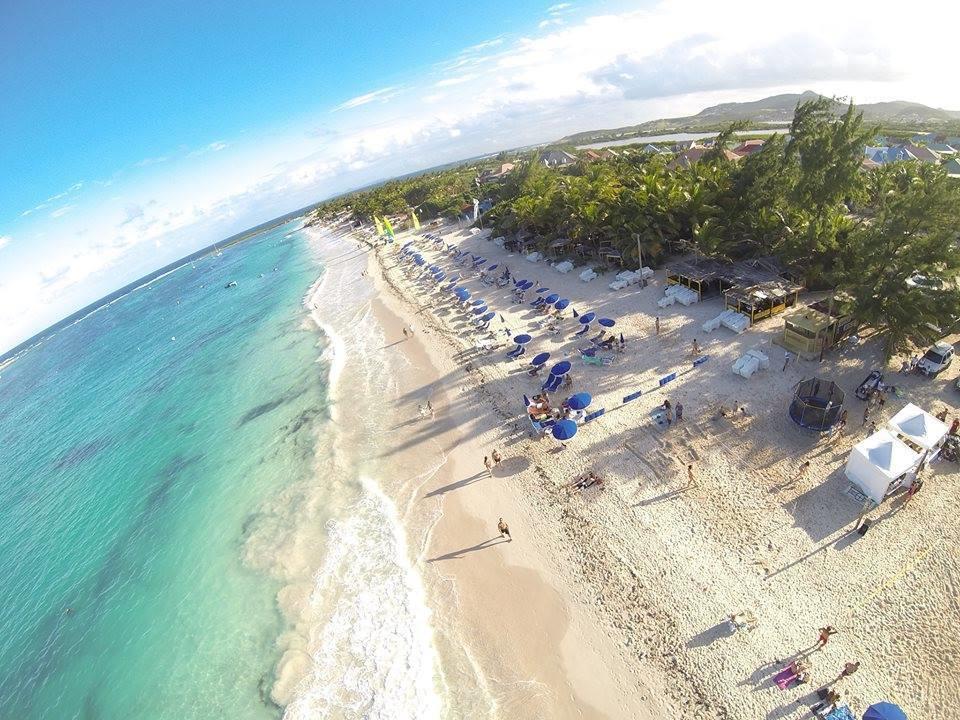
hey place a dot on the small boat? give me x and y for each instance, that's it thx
(232, 283)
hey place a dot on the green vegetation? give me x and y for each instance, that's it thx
(805, 201)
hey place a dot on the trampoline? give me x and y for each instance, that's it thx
(816, 404)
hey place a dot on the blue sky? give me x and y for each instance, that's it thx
(134, 133)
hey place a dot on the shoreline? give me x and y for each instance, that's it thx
(515, 606)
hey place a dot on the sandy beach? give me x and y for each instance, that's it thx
(611, 602)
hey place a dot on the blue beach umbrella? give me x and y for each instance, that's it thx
(441, 276)
(492, 267)
(542, 290)
(606, 322)
(884, 711)
(540, 359)
(564, 429)
(463, 293)
(587, 318)
(561, 368)
(522, 339)
(480, 310)
(579, 401)
(478, 301)
(520, 282)
(551, 299)
(561, 304)
(527, 284)
(488, 317)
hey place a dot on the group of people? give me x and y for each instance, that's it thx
(587, 480)
(492, 460)
(670, 413)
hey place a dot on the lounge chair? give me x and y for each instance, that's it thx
(552, 383)
(582, 331)
(516, 352)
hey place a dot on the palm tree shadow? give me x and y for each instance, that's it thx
(457, 554)
(458, 484)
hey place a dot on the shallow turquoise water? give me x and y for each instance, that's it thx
(132, 465)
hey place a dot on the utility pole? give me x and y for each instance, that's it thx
(643, 280)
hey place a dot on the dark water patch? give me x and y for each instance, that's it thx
(80, 453)
(302, 420)
(261, 409)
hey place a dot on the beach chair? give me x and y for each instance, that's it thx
(516, 352)
(552, 383)
(582, 331)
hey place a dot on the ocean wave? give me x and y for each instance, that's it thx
(371, 648)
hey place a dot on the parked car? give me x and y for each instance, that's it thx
(937, 358)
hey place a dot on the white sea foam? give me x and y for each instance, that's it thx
(371, 647)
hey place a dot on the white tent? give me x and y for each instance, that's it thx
(877, 462)
(919, 427)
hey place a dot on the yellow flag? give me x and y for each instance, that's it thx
(416, 220)
(388, 226)
(379, 225)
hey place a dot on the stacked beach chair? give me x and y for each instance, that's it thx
(748, 364)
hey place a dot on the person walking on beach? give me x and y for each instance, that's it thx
(657, 325)
(691, 481)
(848, 669)
(496, 457)
(787, 357)
(679, 412)
(824, 636)
(801, 471)
(488, 464)
(504, 530)
(405, 334)
(866, 415)
(695, 348)
(430, 408)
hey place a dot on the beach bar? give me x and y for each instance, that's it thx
(815, 328)
(763, 300)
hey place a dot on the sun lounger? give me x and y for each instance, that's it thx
(598, 360)
(588, 275)
(618, 284)
(563, 267)
(516, 352)
(711, 325)
(582, 331)
(735, 321)
(552, 383)
(666, 301)
(534, 257)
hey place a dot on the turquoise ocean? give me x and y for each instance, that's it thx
(138, 448)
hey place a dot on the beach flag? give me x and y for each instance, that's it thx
(389, 227)
(476, 208)
(416, 220)
(379, 225)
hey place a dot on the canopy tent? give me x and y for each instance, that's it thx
(877, 462)
(919, 427)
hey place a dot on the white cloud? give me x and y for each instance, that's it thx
(52, 199)
(61, 211)
(4, 241)
(547, 23)
(559, 7)
(147, 162)
(381, 95)
(448, 82)
(216, 146)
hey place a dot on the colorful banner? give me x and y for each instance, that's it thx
(379, 225)
(416, 220)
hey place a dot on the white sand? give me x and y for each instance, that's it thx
(610, 601)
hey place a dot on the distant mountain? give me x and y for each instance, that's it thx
(776, 110)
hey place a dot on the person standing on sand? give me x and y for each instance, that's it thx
(504, 530)
(849, 669)
(695, 348)
(824, 636)
(787, 357)
(866, 415)
(679, 412)
(690, 479)
(405, 335)
(430, 408)
(657, 325)
(801, 471)
(496, 457)
(488, 464)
